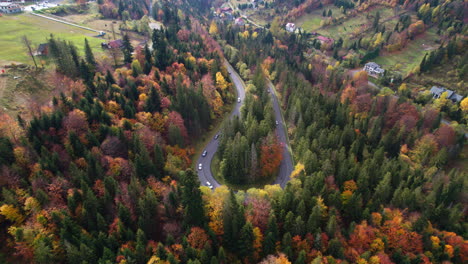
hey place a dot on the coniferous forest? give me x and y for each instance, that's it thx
(106, 172)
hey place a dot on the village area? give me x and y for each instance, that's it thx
(39, 20)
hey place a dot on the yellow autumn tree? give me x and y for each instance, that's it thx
(221, 82)
(258, 241)
(156, 260)
(213, 28)
(377, 245)
(345, 196)
(403, 88)
(31, 204)
(297, 170)
(217, 103)
(441, 101)
(245, 34)
(11, 213)
(464, 105)
(378, 39)
(215, 209)
(323, 207)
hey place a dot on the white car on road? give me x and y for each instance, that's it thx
(200, 166)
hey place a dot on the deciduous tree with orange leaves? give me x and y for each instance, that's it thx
(271, 155)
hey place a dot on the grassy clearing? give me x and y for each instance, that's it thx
(311, 21)
(410, 57)
(445, 75)
(355, 24)
(29, 86)
(38, 29)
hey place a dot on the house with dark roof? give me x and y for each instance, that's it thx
(438, 91)
(114, 44)
(373, 68)
(9, 8)
(43, 49)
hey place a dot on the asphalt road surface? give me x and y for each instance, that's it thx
(204, 175)
(286, 166)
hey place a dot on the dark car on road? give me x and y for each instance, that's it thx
(217, 136)
(204, 153)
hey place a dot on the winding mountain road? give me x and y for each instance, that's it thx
(286, 167)
(205, 175)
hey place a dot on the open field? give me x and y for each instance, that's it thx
(95, 22)
(311, 21)
(410, 57)
(357, 24)
(21, 88)
(444, 75)
(37, 29)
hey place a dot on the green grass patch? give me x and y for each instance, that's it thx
(311, 21)
(38, 30)
(356, 24)
(410, 57)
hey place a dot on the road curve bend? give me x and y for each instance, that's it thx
(205, 175)
(287, 164)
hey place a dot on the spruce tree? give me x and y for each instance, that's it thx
(127, 49)
(147, 212)
(140, 249)
(422, 65)
(194, 213)
(148, 60)
(89, 54)
(222, 256)
(301, 259)
(153, 102)
(6, 151)
(269, 244)
(233, 221)
(158, 161)
(246, 241)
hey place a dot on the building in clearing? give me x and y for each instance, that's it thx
(43, 49)
(373, 68)
(9, 8)
(438, 91)
(239, 21)
(290, 27)
(325, 40)
(114, 44)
